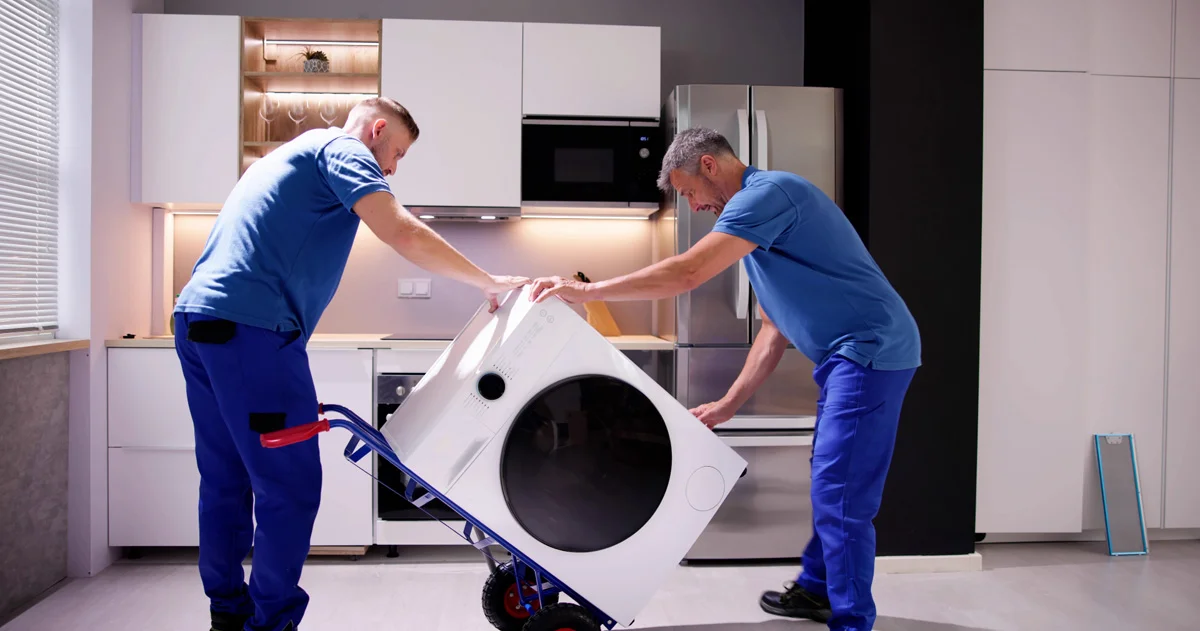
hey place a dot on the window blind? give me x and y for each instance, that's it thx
(28, 165)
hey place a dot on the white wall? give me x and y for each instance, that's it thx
(106, 247)
(1076, 239)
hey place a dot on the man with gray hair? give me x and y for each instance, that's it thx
(820, 289)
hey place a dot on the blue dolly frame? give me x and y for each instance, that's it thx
(367, 439)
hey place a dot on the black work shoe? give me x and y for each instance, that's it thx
(796, 603)
(227, 621)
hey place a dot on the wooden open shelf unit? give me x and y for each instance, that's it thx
(279, 100)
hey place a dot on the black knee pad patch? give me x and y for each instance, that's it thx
(267, 422)
(211, 331)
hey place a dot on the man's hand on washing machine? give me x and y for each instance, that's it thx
(714, 413)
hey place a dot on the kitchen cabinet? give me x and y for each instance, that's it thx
(1182, 503)
(343, 377)
(1187, 40)
(153, 481)
(186, 101)
(1130, 37)
(153, 497)
(1032, 431)
(1035, 35)
(147, 400)
(592, 70)
(462, 83)
(1124, 359)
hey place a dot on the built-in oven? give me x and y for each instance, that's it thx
(587, 162)
(390, 391)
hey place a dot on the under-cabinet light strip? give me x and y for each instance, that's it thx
(359, 95)
(297, 42)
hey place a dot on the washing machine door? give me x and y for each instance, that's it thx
(586, 463)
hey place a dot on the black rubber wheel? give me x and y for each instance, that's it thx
(562, 617)
(500, 602)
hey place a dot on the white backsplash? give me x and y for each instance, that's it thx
(366, 300)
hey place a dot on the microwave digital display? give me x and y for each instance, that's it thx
(590, 162)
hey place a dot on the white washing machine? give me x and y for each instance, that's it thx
(535, 425)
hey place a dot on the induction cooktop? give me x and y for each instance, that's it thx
(419, 336)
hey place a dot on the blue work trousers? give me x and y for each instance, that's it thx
(857, 414)
(243, 381)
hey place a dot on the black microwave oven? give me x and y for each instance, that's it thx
(611, 162)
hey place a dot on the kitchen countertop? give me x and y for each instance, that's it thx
(376, 341)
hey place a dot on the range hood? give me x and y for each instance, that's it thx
(556, 210)
(466, 213)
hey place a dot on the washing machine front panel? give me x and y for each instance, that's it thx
(586, 463)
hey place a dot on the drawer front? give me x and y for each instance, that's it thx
(768, 515)
(147, 399)
(153, 497)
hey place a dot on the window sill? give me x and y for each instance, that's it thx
(31, 348)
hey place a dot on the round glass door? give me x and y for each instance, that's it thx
(586, 463)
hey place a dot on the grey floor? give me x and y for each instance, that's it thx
(1023, 587)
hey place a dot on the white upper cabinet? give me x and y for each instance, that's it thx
(462, 83)
(1130, 37)
(1035, 35)
(1187, 39)
(185, 125)
(592, 70)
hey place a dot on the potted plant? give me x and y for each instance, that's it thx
(314, 60)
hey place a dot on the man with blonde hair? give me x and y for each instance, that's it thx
(268, 271)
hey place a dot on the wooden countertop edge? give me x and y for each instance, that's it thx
(624, 342)
(32, 348)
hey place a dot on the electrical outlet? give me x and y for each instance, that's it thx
(414, 288)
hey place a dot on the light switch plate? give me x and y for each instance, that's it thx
(414, 288)
(422, 288)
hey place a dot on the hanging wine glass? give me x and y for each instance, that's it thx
(298, 111)
(329, 109)
(268, 110)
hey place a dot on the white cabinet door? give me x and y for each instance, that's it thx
(1187, 39)
(1035, 35)
(1031, 426)
(1127, 266)
(147, 399)
(186, 108)
(153, 497)
(343, 377)
(462, 83)
(1130, 37)
(1183, 393)
(592, 70)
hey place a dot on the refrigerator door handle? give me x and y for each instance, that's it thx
(760, 130)
(743, 117)
(741, 298)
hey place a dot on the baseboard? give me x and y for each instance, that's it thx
(972, 562)
(1088, 536)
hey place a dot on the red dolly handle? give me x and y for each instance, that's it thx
(293, 435)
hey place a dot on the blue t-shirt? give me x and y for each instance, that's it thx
(280, 244)
(814, 277)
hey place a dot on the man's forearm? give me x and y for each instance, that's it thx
(764, 356)
(426, 249)
(664, 279)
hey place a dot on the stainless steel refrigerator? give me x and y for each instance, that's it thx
(796, 129)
